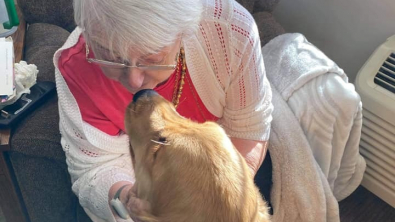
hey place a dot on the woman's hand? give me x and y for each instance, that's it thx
(121, 189)
(139, 210)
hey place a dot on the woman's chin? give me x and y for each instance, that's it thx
(135, 90)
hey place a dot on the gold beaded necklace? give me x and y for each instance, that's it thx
(178, 86)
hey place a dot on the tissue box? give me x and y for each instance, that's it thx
(15, 78)
(7, 86)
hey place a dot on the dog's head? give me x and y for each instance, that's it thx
(183, 166)
(162, 142)
(145, 124)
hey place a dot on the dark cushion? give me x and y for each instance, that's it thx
(57, 12)
(81, 215)
(46, 188)
(248, 4)
(268, 27)
(42, 40)
(265, 5)
(254, 6)
(38, 134)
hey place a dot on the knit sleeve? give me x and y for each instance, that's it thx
(95, 159)
(247, 113)
(93, 171)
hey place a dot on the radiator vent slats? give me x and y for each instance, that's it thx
(375, 83)
(385, 77)
(377, 146)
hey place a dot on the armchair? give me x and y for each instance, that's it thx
(36, 155)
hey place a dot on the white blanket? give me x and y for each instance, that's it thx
(300, 191)
(328, 111)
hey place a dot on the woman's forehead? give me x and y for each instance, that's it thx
(104, 47)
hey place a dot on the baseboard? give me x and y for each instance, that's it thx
(371, 184)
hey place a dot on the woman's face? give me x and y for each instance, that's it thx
(135, 79)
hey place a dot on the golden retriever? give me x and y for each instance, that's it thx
(186, 170)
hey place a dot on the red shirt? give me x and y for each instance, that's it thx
(102, 101)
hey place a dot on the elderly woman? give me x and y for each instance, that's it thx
(204, 56)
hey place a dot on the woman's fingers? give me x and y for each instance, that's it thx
(135, 204)
(137, 207)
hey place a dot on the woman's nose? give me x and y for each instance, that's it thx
(134, 77)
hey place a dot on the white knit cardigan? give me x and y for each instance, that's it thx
(226, 66)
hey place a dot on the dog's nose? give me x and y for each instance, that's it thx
(144, 92)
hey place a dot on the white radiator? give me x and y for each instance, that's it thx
(375, 83)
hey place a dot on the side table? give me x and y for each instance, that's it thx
(10, 198)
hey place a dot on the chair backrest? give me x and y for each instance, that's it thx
(60, 12)
(265, 5)
(57, 12)
(254, 6)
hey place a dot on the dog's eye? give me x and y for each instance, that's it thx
(162, 139)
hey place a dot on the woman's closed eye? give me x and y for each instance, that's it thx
(120, 60)
(115, 59)
(152, 61)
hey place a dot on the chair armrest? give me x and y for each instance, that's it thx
(38, 133)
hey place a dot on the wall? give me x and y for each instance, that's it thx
(347, 31)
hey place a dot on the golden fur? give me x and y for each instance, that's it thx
(186, 170)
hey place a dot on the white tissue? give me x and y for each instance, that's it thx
(25, 75)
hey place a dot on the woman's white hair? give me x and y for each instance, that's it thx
(144, 26)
